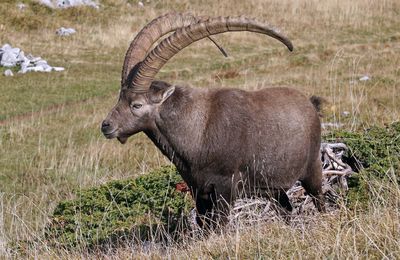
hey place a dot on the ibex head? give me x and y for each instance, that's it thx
(135, 112)
(139, 99)
(137, 106)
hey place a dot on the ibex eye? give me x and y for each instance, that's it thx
(136, 106)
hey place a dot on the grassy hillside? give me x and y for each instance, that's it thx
(50, 143)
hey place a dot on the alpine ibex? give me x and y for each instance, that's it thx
(222, 141)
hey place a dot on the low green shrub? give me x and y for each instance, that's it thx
(377, 149)
(375, 153)
(146, 208)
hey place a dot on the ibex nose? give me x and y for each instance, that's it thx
(105, 125)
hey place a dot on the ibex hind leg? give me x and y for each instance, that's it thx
(284, 207)
(280, 202)
(312, 183)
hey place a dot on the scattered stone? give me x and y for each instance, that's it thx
(21, 6)
(11, 57)
(69, 3)
(58, 68)
(345, 113)
(65, 31)
(47, 3)
(8, 73)
(140, 4)
(364, 78)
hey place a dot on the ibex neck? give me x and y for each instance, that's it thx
(165, 147)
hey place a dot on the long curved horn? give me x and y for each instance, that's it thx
(183, 37)
(145, 39)
(155, 29)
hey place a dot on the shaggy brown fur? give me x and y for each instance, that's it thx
(228, 142)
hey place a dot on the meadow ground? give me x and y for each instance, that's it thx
(50, 143)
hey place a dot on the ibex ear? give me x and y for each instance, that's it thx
(167, 92)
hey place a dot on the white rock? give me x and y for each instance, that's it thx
(23, 70)
(345, 113)
(6, 47)
(8, 73)
(36, 69)
(24, 65)
(21, 6)
(46, 67)
(8, 59)
(140, 4)
(47, 3)
(65, 31)
(41, 63)
(21, 57)
(33, 59)
(364, 78)
(16, 51)
(58, 69)
(69, 3)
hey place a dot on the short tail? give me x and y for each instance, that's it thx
(317, 103)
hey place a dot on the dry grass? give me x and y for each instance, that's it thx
(49, 138)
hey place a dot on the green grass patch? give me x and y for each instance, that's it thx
(31, 92)
(36, 16)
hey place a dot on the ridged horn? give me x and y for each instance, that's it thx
(145, 39)
(183, 37)
(155, 29)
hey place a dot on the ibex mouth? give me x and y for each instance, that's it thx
(115, 134)
(111, 134)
